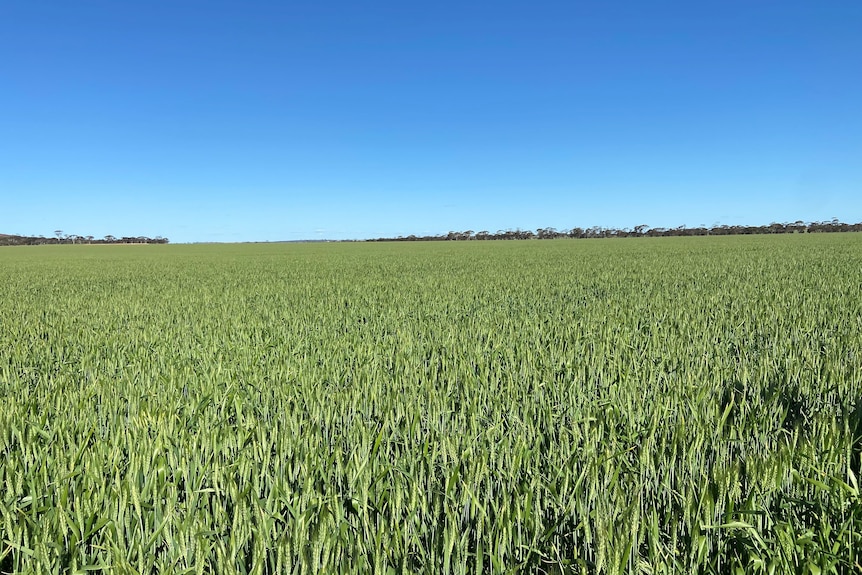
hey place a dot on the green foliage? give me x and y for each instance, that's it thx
(674, 405)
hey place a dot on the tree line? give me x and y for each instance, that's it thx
(63, 238)
(798, 227)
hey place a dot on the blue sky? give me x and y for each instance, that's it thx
(261, 121)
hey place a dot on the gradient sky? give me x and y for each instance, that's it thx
(254, 120)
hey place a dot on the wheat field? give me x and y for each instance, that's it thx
(655, 405)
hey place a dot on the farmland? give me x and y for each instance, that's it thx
(648, 405)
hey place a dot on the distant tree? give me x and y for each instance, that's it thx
(797, 227)
(547, 233)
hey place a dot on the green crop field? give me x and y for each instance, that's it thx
(667, 405)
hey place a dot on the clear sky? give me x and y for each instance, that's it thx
(256, 120)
